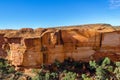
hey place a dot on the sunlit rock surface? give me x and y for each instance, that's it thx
(32, 47)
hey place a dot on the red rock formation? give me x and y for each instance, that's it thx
(29, 47)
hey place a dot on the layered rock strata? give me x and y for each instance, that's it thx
(32, 47)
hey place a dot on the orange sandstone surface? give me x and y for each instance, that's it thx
(32, 47)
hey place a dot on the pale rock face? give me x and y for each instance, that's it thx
(111, 42)
(84, 52)
(80, 54)
(16, 52)
(26, 53)
(16, 57)
(111, 39)
(53, 38)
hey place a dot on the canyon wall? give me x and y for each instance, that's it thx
(32, 47)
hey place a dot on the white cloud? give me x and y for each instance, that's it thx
(114, 4)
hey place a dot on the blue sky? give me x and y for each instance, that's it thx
(16, 14)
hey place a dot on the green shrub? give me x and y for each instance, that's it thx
(85, 77)
(106, 61)
(117, 64)
(93, 64)
(70, 76)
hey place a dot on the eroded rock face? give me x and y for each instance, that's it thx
(26, 53)
(34, 56)
(3, 53)
(30, 48)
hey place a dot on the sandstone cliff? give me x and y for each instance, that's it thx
(33, 47)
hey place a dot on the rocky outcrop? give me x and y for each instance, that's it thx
(32, 47)
(25, 52)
